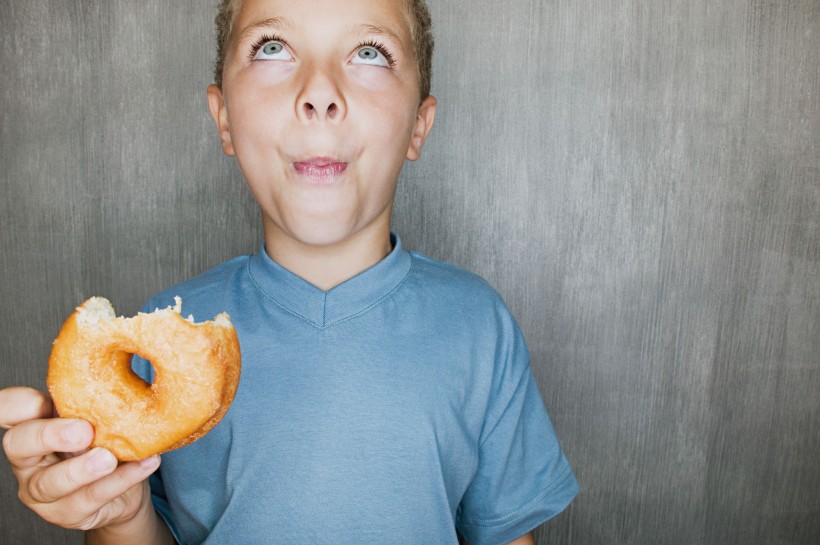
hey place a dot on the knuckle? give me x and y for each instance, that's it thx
(21, 403)
(36, 490)
(8, 441)
(13, 443)
(93, 495)
(23, 495)
(26, 445)
(72, 479)
(42, 435)
(87, 523)
(77, 513)
(61, 517)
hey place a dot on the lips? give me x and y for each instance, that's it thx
(319, 170)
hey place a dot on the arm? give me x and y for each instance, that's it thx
(146, 527)
(523, 540)
(526, 539)
(67, 484)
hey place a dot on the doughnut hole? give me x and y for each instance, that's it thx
(151, 372)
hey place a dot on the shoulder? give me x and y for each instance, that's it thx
(448, 281)
(441, 276)
(451, 293)
(199, 292)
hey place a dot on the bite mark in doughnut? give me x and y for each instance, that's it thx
(196, 376)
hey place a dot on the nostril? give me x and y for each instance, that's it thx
(309, 110)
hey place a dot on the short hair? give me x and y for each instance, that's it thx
(419, 20)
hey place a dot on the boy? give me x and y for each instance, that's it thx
(385, 397)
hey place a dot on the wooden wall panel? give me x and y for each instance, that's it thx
(640, 180)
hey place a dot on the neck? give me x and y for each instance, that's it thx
(328, 265)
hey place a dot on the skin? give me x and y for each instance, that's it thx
(317, 98)
(320, 126)
(524, 540)
(68, 485)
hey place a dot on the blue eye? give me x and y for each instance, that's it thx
(272, 50)
(372, 56)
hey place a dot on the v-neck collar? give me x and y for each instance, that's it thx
(324, 308)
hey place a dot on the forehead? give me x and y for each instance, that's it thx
(391, 16)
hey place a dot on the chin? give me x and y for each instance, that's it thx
(323, 239)
(325, 233)
(324, 226)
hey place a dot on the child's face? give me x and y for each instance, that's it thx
(320, 105)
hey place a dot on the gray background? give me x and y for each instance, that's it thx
(640, 179)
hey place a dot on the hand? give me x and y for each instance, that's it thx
(58, 477)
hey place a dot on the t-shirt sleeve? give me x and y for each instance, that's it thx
(523, 477)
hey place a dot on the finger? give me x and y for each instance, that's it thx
(101, 493)
(26, 444)
(65, 478)
(19, 404)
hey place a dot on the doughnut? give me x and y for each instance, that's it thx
(196, 374)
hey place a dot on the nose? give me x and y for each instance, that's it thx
(312, 111)
(321, 98)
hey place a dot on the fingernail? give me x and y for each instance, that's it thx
(100, 460)
(150, 463)
(75, 433)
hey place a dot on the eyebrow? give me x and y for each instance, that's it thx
(284, 23)
(271, 22)
(379, 31)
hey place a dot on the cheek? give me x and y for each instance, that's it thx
(373, 78)
(262, 74)
(259, 87)
(388, 109)
(386, 90)
(256, 112)
(393, 127)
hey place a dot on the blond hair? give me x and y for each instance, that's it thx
(419, 21)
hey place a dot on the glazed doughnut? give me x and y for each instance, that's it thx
(196, 373)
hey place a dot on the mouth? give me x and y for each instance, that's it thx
(319, 170)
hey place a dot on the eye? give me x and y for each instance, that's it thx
(270, 50)
(373, 55)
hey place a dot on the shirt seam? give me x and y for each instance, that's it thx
(497, 415)
(267, 296)
(324, 309)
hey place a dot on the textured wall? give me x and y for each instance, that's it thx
(640, 179)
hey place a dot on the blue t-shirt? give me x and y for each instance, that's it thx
(397, 407)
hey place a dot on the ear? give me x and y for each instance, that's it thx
(216, 102)
(424, 122)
